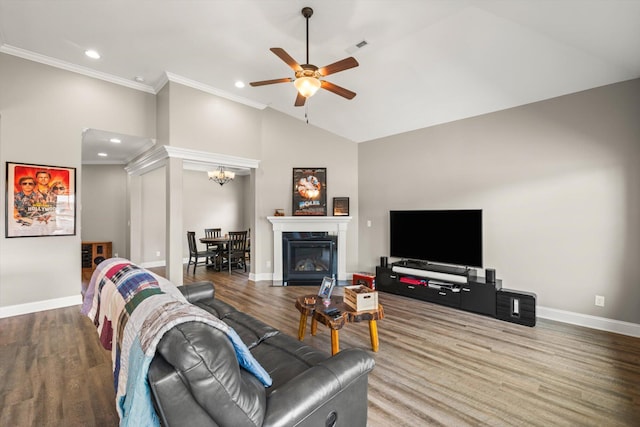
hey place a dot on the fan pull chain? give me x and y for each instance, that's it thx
(306, 112)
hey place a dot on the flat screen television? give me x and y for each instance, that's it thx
(438, 236)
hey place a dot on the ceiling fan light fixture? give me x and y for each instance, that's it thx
(308, 77)
(307, 86)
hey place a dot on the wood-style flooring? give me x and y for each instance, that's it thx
(436, 366)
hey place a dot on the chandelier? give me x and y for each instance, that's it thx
(221, 176)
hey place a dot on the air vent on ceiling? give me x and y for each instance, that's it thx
(357, 47)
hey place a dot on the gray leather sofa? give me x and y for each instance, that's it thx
(196, 380)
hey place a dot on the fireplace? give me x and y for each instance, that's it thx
(308, 257)
(333, 225)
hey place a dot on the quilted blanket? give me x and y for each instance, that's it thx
(132, 308)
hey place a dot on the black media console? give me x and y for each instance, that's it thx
(452, 286)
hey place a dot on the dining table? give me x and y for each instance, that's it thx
(222, 241)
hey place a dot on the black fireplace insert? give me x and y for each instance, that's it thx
(307, 257)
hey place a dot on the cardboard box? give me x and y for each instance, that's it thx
(360, 298)
(365, 279)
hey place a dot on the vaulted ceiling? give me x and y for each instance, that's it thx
(424, 62)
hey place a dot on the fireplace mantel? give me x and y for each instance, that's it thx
(334, 225)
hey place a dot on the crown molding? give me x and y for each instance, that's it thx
(170, 77)
(152, 159)
(47, 60)
(166, 77)
(212, 159)
(162, 81)
(193, 159)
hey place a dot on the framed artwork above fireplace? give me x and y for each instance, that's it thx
(309, 192)
(340, 206)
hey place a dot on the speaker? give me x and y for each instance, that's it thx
(516, 307)
(384, 262)
(490, 275)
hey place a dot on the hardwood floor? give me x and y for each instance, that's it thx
(436, 366)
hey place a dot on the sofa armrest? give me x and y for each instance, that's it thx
(293, 402)
(198, 291)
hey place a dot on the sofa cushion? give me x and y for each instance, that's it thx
(173, 400)
(218, 308)
(284, 357)
(251, 330)
(198, 291)
(205, 357)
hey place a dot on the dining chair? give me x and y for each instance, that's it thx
(235, 253)
(194, 253)
(214, 232)
(247, 252)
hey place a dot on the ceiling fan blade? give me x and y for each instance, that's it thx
(300, 100)
(341, 65)
(345, 93)
(270, 82)
(280, 53)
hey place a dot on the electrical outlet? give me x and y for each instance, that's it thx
(268, 264)
(157, 253)
(369, 223)
(599, 300)
(115, 255)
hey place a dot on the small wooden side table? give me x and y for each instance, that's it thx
(311, 305)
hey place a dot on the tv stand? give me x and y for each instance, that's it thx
(457, 287)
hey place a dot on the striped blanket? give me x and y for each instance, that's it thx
(132, 308)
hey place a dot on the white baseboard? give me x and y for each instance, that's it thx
(261, 277)
(152, 264)
(32, 307)
(586, 320)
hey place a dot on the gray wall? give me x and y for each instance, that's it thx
(153, 216)
(209, 205)
(44, 111)
(559, 184)
(104, 206)
(205, 122)
(205, 205)
(289, 143)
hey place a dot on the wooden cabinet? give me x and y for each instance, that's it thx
(479, 296)
(475, 295)
(93, 253)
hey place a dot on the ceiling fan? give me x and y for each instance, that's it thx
(307, 76)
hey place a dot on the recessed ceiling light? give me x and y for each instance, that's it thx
(92, 54)
(239, 84)
(139, 79)
(115, 140)
(102, 154)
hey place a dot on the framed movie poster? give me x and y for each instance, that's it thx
(340, 206)
(309, 191)
(40, 200)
